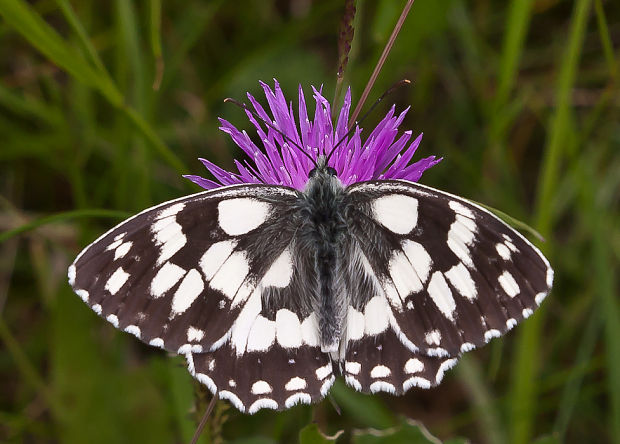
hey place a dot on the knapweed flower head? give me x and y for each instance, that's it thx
(382, 155)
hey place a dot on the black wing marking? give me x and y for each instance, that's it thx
(382, 363)
(454, 274)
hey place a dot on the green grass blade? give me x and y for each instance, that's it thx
(525, 380)
(83, 39)
(603, 30)
(61, 217)
(155, 27)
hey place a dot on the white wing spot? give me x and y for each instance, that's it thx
(324, 372)
(376, 316)
(241, 215)
(169, 235)
(263, 403)
(215, 257)
(441, 295)
(461, 209)
(157, 342)
(231, 274)
(527, 312)
(244, 322)
(172, 210)
(419, 258)
(416, 381)
(310, 331)
(433, 337)
(295, 383)
(490, 334)
(280, 273)
(463, 229)
(509, 284)
(382, 386)
(460, 250)
(352, 367)
(510, 245)
(467, 346)
(261, 388)
(413, 365)
(298, 398)
(225, 394)
(445, 365)
(404, 277)
(288, 329)
(190, 288)
(165, 279)
(232, 383)
(327, 385)
(355, 324)
(380, 371)
(262, 335)
(116, 281)
(353, 382)
(511, 323)
(461, 279)
(540, 297)
(83, 294)
(122, 250)
(397, 212)
(194, 334)
(114, 244)
(503, 251)
(134, 330)
(113, 319)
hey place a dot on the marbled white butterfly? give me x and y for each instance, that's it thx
(272, 292)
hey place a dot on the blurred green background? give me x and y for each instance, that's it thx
(104, 104)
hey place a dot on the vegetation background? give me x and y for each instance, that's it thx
(103, 105)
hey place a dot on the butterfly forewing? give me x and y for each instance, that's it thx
(171, 270)
(454, 275)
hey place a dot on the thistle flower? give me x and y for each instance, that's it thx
(382, 155)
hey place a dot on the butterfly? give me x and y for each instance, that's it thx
(272, 292)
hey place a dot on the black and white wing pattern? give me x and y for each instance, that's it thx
(444, 276)
(189, 275)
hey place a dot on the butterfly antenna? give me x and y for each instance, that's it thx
(270, 125)
(384, 54)
(390, 90)
(204, 419)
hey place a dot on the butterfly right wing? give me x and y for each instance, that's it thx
(442, 274)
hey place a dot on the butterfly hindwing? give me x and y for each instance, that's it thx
(381, 363)
(454, 275)
(277, 378)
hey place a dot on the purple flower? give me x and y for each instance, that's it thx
(382, 155)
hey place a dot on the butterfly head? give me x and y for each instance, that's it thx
(322, 169)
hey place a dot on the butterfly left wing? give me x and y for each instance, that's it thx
(190, 276)
(452, 274)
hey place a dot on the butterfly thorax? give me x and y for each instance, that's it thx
(323, 233)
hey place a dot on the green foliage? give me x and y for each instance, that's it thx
(104, 104)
